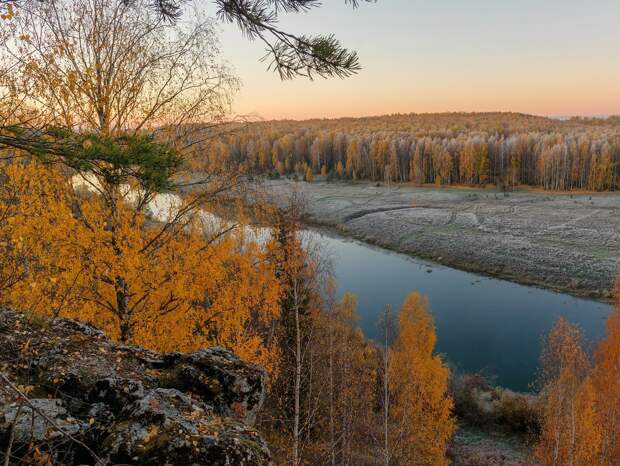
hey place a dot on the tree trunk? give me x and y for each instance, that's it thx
(332, 445)
(386, 394)
(296, 458)
(122, 309)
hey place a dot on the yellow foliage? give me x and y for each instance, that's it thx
(606, 380)
(420, 408)
(9, 14)
(572, 427)
(76, 254)
(572, 431)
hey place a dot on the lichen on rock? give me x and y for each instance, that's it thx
(127, 404)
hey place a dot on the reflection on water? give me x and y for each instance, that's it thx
(483, 324)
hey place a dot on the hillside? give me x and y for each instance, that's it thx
(504, 149)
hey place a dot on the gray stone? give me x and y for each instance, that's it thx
(127, 404)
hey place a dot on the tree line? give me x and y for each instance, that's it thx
(507, 150)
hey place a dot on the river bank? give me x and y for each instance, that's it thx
(563, 242)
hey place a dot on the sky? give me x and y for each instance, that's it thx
(545, 57)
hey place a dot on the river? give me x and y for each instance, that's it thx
(483, 324)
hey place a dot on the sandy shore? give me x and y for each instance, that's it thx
(564, 242)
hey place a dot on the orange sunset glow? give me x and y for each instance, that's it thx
(551, 58)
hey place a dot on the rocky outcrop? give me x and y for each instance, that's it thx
(92, 401)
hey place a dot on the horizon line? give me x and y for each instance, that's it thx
(551, 116)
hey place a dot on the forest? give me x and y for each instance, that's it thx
(105, 107)
(502, 149)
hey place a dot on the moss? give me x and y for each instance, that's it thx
(169, 379)
(37, 321)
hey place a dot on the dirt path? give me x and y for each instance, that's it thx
(559, 241)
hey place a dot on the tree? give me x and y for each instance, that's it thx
(466, 162)
(178, 288)
(482, 162)
(571, 427)
(420, 408)
(442, 162)
(389, 331)
(342, 388)
(315, 154)
(355, 360)
(606, 381)
(330, 307)
(353, 159)
(107, 74)
(297, 274)
(340, 170)
(416, 167)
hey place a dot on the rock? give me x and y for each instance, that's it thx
(167, 426)
(127, 404)
(32, 423)
(221, 380)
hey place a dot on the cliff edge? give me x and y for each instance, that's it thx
(70, 396)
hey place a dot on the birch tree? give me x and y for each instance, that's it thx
(420, 408)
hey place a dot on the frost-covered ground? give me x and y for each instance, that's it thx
(474, 447)
(559, 241)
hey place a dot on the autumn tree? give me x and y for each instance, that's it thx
(340, 169)
(352, 371)
(420, 408)
(388, 328)
(185, 288)
(416, 167)
(571, 426)
(606, 382)
(297, 271)
(442, 162)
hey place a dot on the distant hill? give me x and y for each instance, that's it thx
(450, 121)
(506, 149)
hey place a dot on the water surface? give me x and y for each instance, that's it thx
(483, 324)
